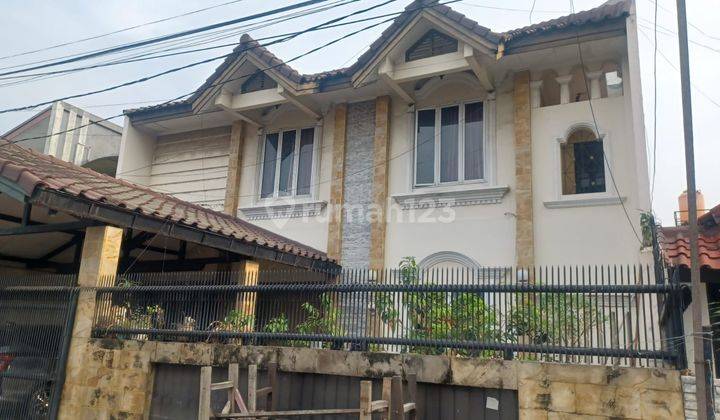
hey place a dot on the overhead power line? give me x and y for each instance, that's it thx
(197, 63)
(145, 57)
(77, 41)
(169, 37)
(233, 79)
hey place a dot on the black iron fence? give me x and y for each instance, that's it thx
(600, 315)
(36, 317)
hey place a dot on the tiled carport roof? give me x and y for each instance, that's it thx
(48, 181)
(612, 9)
(675, 247)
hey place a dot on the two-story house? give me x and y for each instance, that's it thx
(445, 141)
(71, 134)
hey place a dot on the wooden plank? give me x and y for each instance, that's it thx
(412, 396)
(408, 407)
(380, 405)
(204, 397)
(386, 392)
(252, 388)
(239, 402)
(293, 413)
(397, 411)
(234, 377)
(273, 396)
(366, 400)
(221, 385)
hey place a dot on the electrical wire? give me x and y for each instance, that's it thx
(597, 133)
(77, 41)
(655, 90)
(205, 61)
(155, 40)
(220, 83)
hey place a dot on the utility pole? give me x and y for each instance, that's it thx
(704, 404)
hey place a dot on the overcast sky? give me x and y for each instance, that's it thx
(27, 25)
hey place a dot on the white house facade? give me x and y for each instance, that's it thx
(444, 141)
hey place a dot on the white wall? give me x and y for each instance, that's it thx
(311, 231)
(485, 233)
(594, 234)
(136, 154)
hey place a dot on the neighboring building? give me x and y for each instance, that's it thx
(73, 135)
(491, 136)
(675, 245)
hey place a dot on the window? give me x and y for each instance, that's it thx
(583, 163)
(449, 144)
(431, 44)
(287, 163)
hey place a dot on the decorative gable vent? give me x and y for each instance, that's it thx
(258, 81)
(431, 44)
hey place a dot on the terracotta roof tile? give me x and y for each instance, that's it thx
(610, 10)
(31, 170)
(676, 247)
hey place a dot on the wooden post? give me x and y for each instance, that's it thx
(397, 401)
(252, 388)
(366, 400)
(234, 377)
(272, 398)
(412, 394)
(204, 398)
(386, 393)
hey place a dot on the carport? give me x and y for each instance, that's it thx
(68, 226)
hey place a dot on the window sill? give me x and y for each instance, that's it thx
(570, 202)
(284, 210)
(431, 197)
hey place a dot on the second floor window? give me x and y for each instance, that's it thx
(449, 144)
(287, 163)
(583, 163)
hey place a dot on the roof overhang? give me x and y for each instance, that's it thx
(85, 209)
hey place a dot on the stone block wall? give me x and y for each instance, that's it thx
(116, 381)
(690, 397)
(550, 391)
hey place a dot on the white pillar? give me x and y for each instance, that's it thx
(594, 77)
(69, 136)
(535, 93)
(564, 82)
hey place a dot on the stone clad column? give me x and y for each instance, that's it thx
(337, 180)
(524, 241)
(100, 256)
(234, 168)
(380, 182)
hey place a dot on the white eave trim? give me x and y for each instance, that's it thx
(284, 211)
(584, 202)
(451, 197)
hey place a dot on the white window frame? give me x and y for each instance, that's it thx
(296, 164)
(461, 144)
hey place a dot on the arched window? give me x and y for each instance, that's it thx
(583, 163)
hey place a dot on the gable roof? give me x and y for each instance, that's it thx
(40, 177)
(611, 10)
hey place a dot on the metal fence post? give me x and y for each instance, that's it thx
(59, 382)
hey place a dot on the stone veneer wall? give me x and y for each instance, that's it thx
(358, 187)
(116, 381)
(524, 234)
